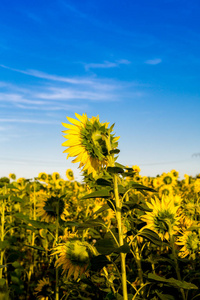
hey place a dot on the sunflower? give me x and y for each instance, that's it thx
(157, 182)
(145, 180)
(197, 185)
(47, 208)
(168, 179)
(165, 190)
(187, 179)
(90, 142)
(136, 169)
(74, 257)
(70, 174)
(190, 242)
(163, 219)
(43, 176)
(55, 176)
(59, 183)
(174, 173)
(12, 176)
(43, 289)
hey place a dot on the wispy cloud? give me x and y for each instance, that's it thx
(4, 120)
(43, 75)
(107, 64)
(154, 61)
(59, 93)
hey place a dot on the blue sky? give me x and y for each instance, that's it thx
(133, 63)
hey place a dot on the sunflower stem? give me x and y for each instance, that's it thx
(2, 235)
(120, 233)
(57, 228)
(176, 264)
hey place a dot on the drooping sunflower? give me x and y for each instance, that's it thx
(47, 208)
(70, 174)
(43, 290)
(164, 218)
(190, 242)
(74, 257)
(90, 142)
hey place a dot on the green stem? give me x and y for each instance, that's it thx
(176, 264)
(121, 242)
(2, 235)
(57, 228)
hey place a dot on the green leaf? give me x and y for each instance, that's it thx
(90, 223)
(16, 199)
(3, 266)
(115, 170)
(105, 246)
(98, 194)
(2, 282)
(151, 236)
(101, 209)
(15, 280)
(120, 165)
(36, 224)
(103, 182)
(173, 282)
(122, 190)
(11, 186)
(4, 196)
(17, 265)
(35, 247)
(4, 244)
(165, 296)
(122, 249)
(112, 204)
(138, 186)
(115, 151)
(120, 297)
(98, 262)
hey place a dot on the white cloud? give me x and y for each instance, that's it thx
(154, 61)
(64, 93)
(107, 64)
(43, 75)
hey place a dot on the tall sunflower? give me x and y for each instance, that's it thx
(164, 218)
(90, 142)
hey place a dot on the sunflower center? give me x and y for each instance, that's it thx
(167, 180)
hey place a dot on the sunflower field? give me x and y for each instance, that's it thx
(115, 235)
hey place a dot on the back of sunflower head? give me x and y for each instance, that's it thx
(90, 142)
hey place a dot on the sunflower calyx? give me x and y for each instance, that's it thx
(90, 142)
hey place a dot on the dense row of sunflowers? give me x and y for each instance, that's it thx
(116, 235)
